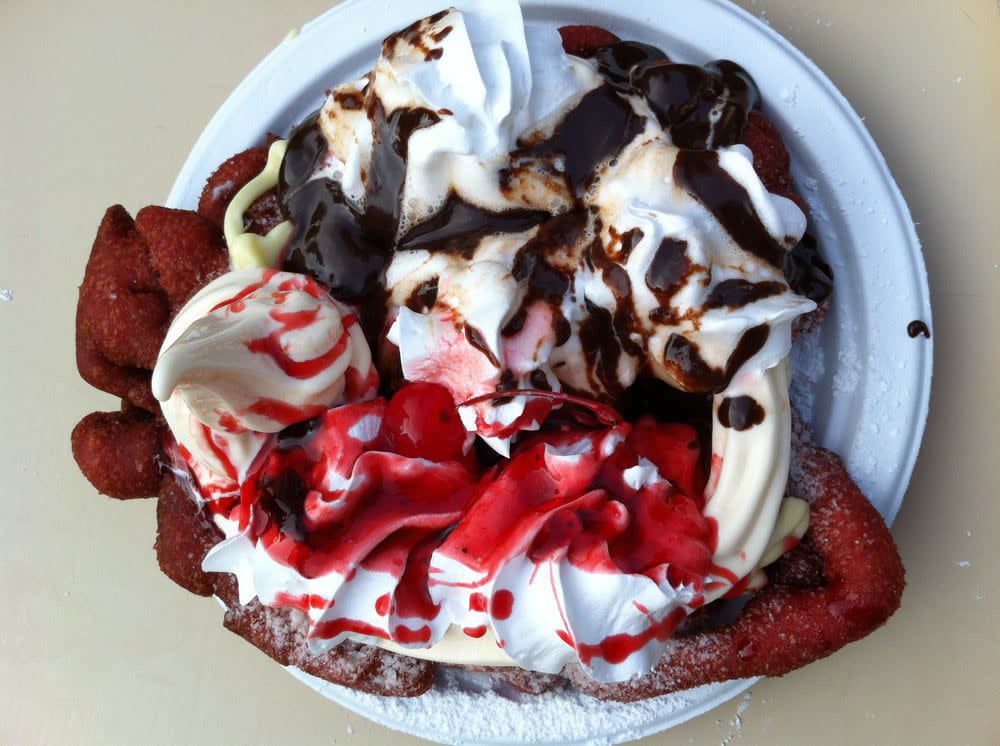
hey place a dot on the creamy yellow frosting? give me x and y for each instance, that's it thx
(248, 250)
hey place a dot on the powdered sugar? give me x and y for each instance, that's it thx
(6, 294)
(808, 366)
(469, 707)
(736, 724)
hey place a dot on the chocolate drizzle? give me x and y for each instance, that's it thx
(477, 340)
(459, 226)
(423, 296)
(331, 242)
(600, 347)
(668, 270)
(540, 279)
(806, 272)
(917, 328)
(347, 245)
(615, 62)
(683, 359)
(738, 293)
(701, 175)
(702, 107)
(599, 127)
(740, 412)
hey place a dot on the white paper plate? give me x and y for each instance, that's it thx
(863, 383)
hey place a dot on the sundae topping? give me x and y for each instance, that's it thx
(247, 249)
(253, 352)
(917, 328)
(527, 238)
(601, 240)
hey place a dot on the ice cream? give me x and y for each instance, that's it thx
(251, 353)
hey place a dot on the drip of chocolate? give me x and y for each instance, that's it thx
(806, 272)
(459, 226)
(615, 62)
(601, 348)
(738, 293)
(477, 340)
(918, 328)
(597, 129)
(740, 412)
(337, 243)
(624, 320)
(668, 270)
(701, 175)
(414, 36)
(683, 359)
(702, 107)
(542, 281)
(423, 296)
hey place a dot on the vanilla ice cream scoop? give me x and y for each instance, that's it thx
(253, 352)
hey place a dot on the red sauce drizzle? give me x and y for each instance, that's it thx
(502, 604)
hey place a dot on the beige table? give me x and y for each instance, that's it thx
(101, 103)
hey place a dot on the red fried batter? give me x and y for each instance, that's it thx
(227, 180)
(528, 682)
(583, 41)
(783, 627)
(281, 634)
(264, 214)
(187, 250)
(131, 384)
(122, 306)
(771, 160)
(119, 453)
(183, 538)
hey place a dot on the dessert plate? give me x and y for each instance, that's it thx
(862, 382)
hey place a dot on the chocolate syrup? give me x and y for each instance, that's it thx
(414, 36)
(702, 107)
(423, 296)
(477, 340)
(598, 128)
(699, 173)
(387, 172)
(615, 62)
(298, 434)
(651, 396)
(668, 270)
(459, 226)
(806, 272)
(615, 277)
(683, 358)
(601, 349)
(740, 412)
(739, 293)
(539, 278)
(917, 328)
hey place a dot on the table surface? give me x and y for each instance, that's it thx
(103, 102)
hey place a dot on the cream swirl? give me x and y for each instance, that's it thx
(251, 353)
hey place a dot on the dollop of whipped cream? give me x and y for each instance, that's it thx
(481, 81)
(251, 353)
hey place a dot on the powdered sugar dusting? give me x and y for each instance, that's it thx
(470, 707)
(808, 366)
(6, 294)
(736, 724)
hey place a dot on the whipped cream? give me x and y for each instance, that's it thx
(563, 278)
(488, 81)
(251, 353)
